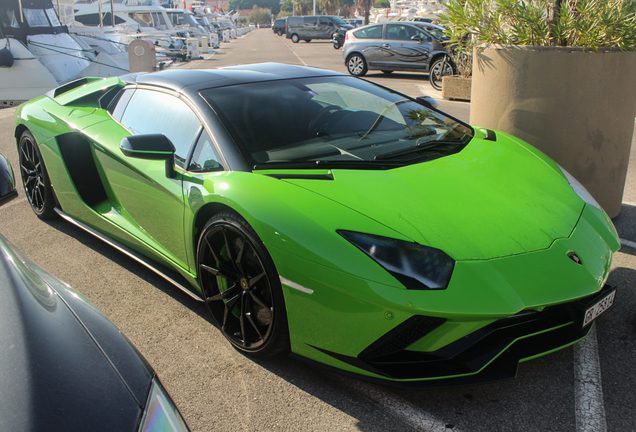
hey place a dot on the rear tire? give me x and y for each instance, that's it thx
(387, 72)
(241, 286)
(307, 40)
(280, 32)
(35, 178)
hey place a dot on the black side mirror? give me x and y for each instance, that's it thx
(7, 181)
(427, 101)
(151, 147)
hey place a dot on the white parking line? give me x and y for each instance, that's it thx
(398, 407)
(294, 52)
(631, 244)
(588, 390)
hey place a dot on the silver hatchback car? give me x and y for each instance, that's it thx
(394, 46)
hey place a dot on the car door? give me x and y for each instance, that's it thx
(148, 204)
(410, 48)
(310, 27)
(325, 28)
(370, 43)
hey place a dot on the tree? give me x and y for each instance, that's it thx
(272, 5)
(260, 15)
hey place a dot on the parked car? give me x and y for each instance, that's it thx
(279, 26)
(318, 213)
(394, 46)
(314, 27)
(63, 365)
(355, 22)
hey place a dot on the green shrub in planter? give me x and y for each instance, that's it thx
(589, 24)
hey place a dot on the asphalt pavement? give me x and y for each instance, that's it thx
(218, 389)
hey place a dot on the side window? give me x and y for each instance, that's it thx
(399, 32)
(373, 32)
(151, 112)
(425, 36)
(118, 105)
(205, 158)
(310, 21)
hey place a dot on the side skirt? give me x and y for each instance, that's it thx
(170, 275)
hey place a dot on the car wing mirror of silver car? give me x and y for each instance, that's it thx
(428, 101)
(7, 181)
(151, 147)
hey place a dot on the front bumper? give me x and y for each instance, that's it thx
(489, 354)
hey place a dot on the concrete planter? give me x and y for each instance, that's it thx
(456, 87)
(577, 107)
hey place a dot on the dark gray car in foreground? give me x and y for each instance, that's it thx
(63, 365)
(394, 46)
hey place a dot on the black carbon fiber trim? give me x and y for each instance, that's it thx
(405, 334)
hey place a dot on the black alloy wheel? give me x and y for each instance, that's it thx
(241, 287)
(35, 179)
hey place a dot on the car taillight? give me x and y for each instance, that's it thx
(346, 36)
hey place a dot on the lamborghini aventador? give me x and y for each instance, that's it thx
(319, 214)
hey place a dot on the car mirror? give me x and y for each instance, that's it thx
(416, 38)
(7, 181)
(428, 101)
(151, 147)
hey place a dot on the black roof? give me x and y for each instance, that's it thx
(198, 79)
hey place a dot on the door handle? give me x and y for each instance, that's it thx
(386, 46)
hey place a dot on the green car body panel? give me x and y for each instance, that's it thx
(501, 210)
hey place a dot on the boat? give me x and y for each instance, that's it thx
(38, 52)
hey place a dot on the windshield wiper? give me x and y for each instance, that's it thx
(428, 145)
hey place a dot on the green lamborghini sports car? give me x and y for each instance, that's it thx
(322, 215)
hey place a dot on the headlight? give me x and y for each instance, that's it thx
(415, 266)
(161, 414)
(579, 189)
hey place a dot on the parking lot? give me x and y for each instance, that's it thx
(584, 388)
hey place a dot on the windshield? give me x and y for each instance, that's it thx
(333, 121)
(338, 20)
(435, 31)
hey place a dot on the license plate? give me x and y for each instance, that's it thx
(598, 308)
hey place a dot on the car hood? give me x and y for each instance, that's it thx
(63, 365)
(492, 199)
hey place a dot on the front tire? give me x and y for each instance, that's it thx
(241, 287)
(357, 65)
(336, 45)
(295, 38)
(35, 179)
